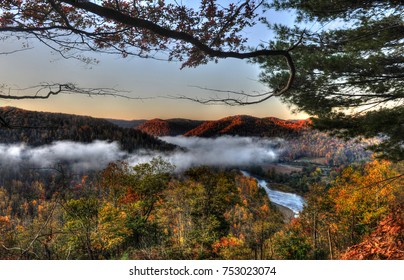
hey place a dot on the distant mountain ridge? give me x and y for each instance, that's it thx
(243, 125)
(169, 127)
(126, 123)
(240, 125)
(41, 128)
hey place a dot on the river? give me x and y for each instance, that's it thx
(291, 201)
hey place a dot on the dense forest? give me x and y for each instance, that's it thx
(40, 128)
(148, 212)
(335, 151)
(249, 126)
(300, 139)
(170, 127)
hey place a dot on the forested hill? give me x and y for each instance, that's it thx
(301, 140)
(170, 127)
(39, 128)
(126, 123)
(240, 125)
(249, 126)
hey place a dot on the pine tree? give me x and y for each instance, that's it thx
(349, 67)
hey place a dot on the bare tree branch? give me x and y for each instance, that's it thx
(242, 93)
(231, 99)
(206, 49)
(39, 232)
(15, 51)
(45, 90)
(244, 99)
(131, 26)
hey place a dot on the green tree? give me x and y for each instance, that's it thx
(111, 230)
(350, 67)
(81, 219)
(131, 198)
(292, 243)
(214, 194)
(175, 217)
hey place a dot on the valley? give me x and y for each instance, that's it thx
(201, 130)
(236, 188)
(286, 153)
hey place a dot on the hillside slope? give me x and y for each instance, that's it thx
(126, 123)
(170, 127)
(40, 128)
(385, 243)
(243, 125)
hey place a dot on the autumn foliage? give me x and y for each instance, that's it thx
(249, 126)
(149, 212)
(384, 243)
(362, 201)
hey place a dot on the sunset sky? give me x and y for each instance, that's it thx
(145, 78)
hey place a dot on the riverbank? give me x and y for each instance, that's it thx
(276, 186)
(287, 203)
(287, 214)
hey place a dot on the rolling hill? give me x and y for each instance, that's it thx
(170, 127)
(242, 125)
(40, 128)
(126, 123)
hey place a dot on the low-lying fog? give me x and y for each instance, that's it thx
(226, 151)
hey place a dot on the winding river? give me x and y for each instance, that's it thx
(291, 201)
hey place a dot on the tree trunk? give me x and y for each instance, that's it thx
(315, 235)
(330, 243)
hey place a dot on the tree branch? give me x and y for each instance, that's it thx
(131, 29)
(188, 38)
(243, 100)
(228, 22)
(66, 88)
(38, 234)
(120, 17)
(45, 91)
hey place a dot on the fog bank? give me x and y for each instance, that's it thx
(80, 156)
(225, 151)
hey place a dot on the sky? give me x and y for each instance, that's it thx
(146, 78)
